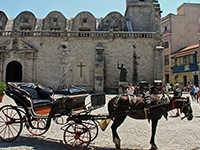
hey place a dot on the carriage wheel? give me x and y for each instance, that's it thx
(93, 127)
(10, 123)
(77, 136)
(39, 126)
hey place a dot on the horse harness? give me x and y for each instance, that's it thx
(147, 108)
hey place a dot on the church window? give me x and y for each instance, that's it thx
(25, 20)
(84, 20)
(167, 60)
(166, 45)
(166, 28)
(55, 19)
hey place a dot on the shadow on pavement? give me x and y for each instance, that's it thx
(41, 143)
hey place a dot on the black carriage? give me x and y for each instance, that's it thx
(36, 107)
(73, 90)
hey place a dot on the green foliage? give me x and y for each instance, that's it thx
(3, 87)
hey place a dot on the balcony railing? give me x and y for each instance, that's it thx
(185, 68)
(93, 34)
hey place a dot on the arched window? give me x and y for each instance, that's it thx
(166, 45)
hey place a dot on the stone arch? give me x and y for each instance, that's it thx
(54, 21)
(14, 72)
(3, 20)
(84, 21)
(25, 21)
(114, 21)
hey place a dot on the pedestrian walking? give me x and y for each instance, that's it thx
(192, 92)
(196, 90)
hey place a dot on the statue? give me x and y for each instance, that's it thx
(123, 73)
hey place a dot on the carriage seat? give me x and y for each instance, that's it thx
(39, 97)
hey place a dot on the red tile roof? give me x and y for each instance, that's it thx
(185, 51)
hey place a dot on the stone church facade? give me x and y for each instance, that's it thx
(56, 51)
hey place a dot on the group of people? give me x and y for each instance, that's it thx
(194, 92)
(132, 90)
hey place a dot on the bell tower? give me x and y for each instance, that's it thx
(144, 15)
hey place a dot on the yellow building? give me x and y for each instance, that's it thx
(185, 69)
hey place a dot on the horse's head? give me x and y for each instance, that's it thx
(187, 109)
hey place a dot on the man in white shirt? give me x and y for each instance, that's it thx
(196, 90)
(130, 91)
(132, 88)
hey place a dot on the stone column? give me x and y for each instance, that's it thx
(99, 69)
(158, 63)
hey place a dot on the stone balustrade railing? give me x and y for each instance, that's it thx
(93, 34)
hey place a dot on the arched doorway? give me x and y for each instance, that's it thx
(14, 72)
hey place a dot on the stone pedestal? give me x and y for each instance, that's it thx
(122, 87)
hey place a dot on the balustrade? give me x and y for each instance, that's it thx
(93, 34)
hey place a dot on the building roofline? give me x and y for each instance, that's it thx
(187, 48)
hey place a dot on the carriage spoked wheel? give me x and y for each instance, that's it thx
(11, 123)
(93, 127)
(77, 136)
(39, 126)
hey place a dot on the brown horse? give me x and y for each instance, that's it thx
(120, 108)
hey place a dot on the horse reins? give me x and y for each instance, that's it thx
(173, 105)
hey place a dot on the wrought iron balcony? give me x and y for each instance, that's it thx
(185, 68)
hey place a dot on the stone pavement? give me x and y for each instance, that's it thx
(173, 134)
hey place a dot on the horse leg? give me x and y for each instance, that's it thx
(154, 126)
(116, 123)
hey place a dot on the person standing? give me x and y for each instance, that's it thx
(132, 88)
(136, 90)
(177, 94)
(129, 92)
(167, 89)
(192, 92)
(196, 90)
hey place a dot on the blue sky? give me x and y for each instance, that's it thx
(70, 8)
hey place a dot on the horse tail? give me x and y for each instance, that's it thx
(110, 103)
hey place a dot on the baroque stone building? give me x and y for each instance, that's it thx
(56, 51)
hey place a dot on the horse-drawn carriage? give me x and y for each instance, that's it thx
(35, 107)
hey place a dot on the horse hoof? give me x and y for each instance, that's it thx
(117, 143)
(153, 147)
